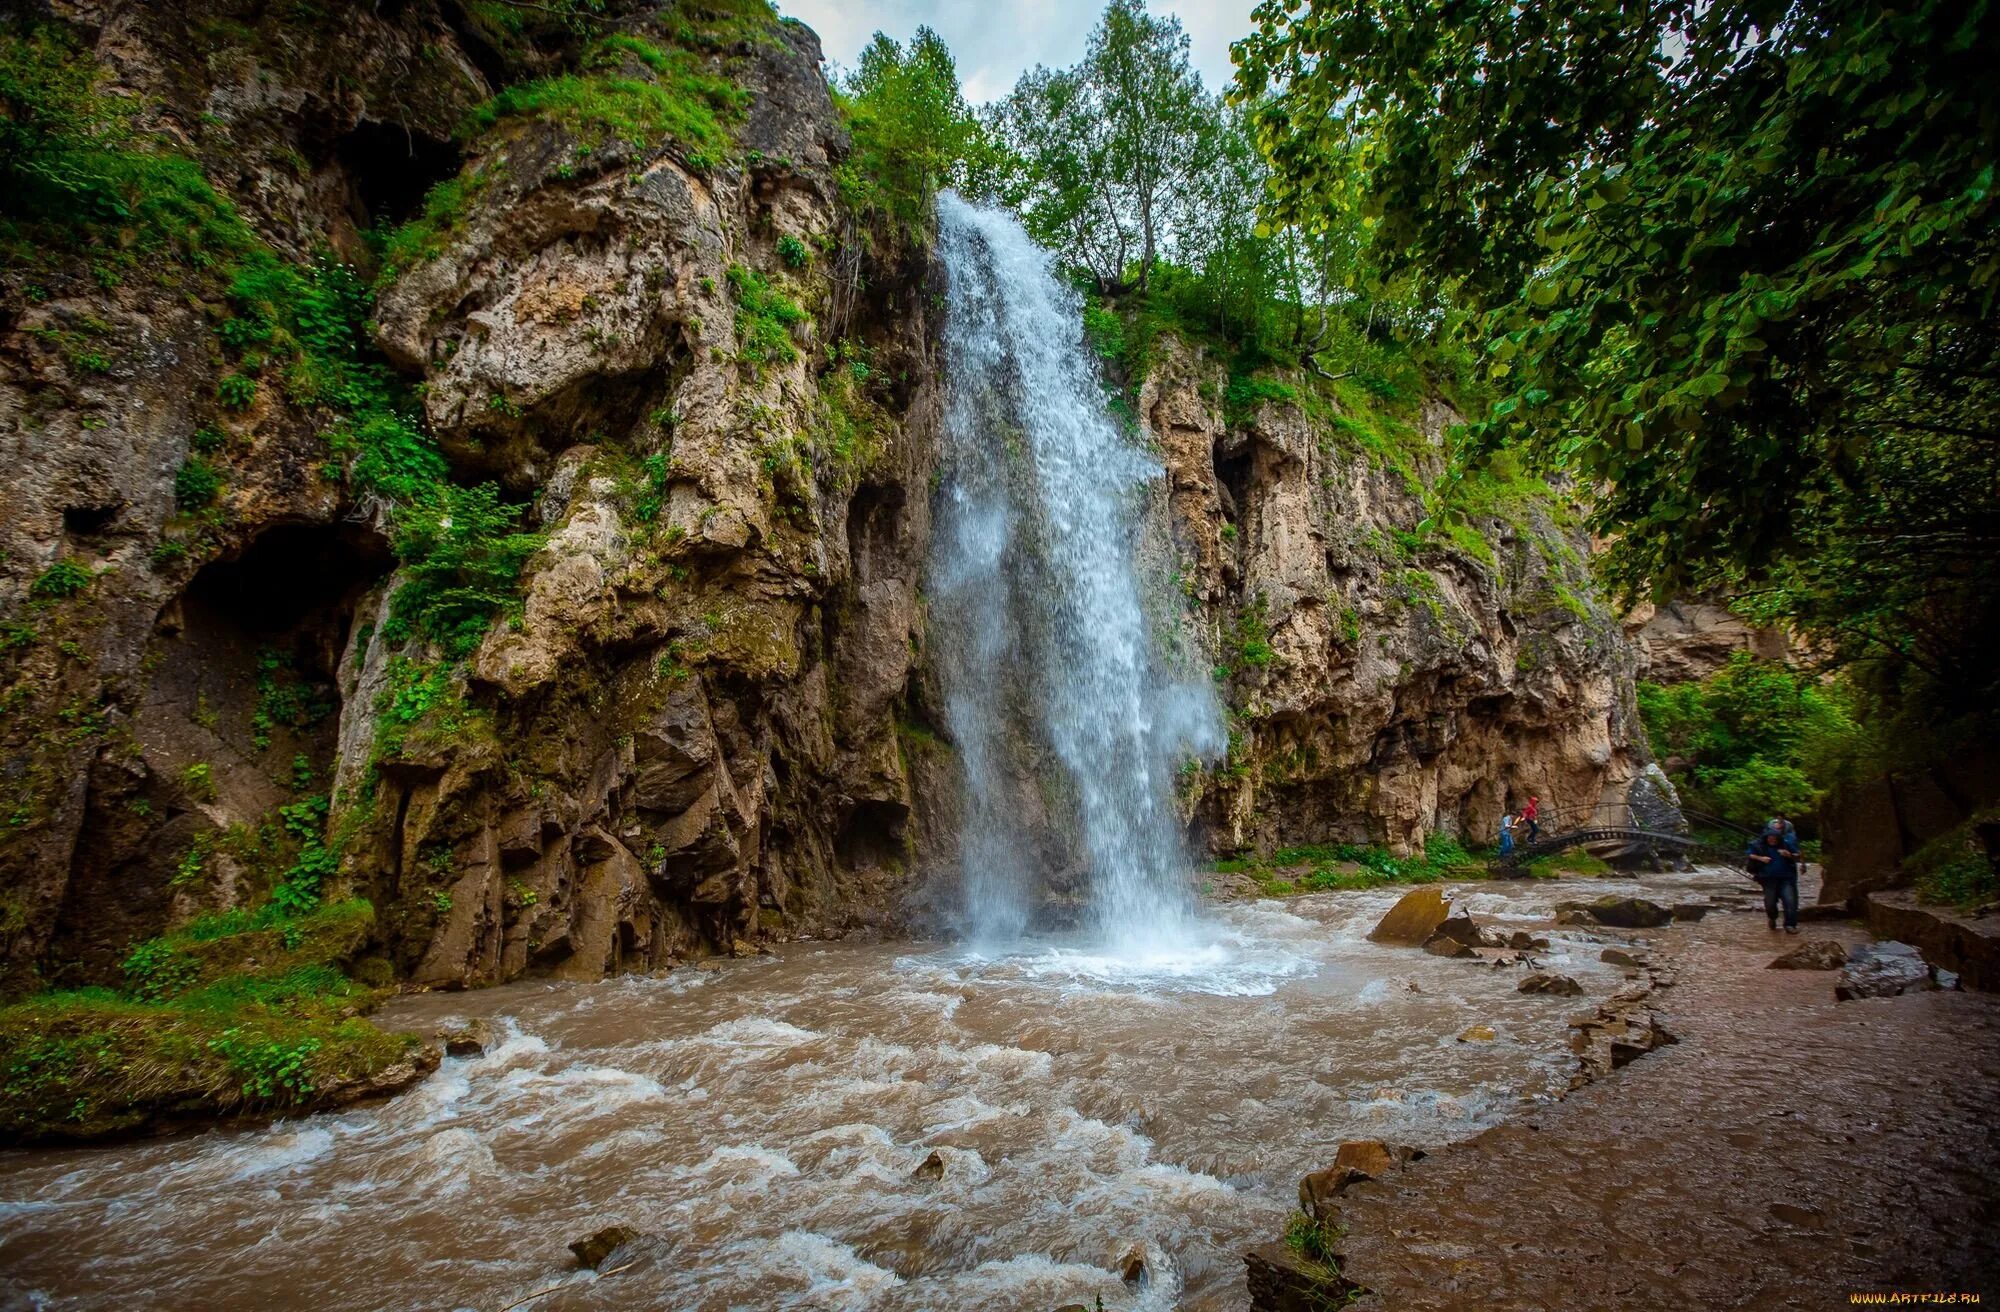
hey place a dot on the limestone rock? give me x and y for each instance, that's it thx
(592, 1250)
(470, 1040)
(1414, 918)
(1884, 970)
(1542, 982)
(1455, 936)
(1619, 912)
(1320, 1190)
(1818, 954)
(1372, 1157)
(1278, 1279)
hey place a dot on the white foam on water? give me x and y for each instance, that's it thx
(837, 1276)
(1027, 1279)
(744, 1163)
(966, 1111)
(236, 1160)
(759, 1032)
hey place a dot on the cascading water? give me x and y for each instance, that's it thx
(1036, 603)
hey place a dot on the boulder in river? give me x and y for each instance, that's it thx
(1544, 982)
(470, 1040)
(932, 1168)
(1819, 954)
(591, 1252)
(1622, 957)
(1883, 970)
(1616, 912)
(1132, 1267)
(1477, 1034)
(1443, 945)
(1413, 919)
(1455, 936)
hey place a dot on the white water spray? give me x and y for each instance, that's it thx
(1044, 645)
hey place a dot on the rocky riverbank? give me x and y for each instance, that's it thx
(1789, 1149)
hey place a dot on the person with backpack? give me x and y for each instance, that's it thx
(1775, 865)
(1530, 817)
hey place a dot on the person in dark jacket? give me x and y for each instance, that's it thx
(1776, 866)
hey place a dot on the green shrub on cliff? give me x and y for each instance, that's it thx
(913, 131)
(1753, 740)
(631, 91)
(1955, 868)
(461, 554)
(76, 176)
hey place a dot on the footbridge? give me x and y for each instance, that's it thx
(1616, 824)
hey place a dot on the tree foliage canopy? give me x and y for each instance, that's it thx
(1736, 266)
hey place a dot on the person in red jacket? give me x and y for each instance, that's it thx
(1530, 817)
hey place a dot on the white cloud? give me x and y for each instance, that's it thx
(995, 41)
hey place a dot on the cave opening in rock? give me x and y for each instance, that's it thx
(392, 168)
(239, 718)
(1232, 478)
(876, 836)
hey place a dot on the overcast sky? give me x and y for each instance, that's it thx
(995, 41)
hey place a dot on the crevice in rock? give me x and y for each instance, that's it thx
(391, 167)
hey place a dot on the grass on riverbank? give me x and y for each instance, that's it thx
(1319, 868)
(232, 1013)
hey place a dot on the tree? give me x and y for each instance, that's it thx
(1104, 153)
(913, 132)
(1735, 265)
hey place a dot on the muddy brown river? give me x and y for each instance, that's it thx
(766, 1121)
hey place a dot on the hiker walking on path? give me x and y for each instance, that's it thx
(1507, 834)
(1530, 816)
(1775, 865)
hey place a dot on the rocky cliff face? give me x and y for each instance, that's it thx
(1388, 677)
(700, 713)
(1683, 640)
(710, 382)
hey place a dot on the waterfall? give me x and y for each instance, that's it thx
(1064, 713)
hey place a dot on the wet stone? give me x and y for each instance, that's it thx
(1132, 1268)
(1371, 1157)
(1438, 945)
(1414, 918)
(1884, 970)
(1545, 982)
(1819, 954)
(1616, 912)
(468, 1040)
(932, 1168)
(1622, 957)
(1478, 1034)
(591, 1252)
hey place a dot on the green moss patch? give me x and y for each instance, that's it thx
(236, 1012)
